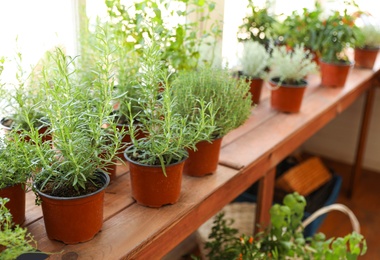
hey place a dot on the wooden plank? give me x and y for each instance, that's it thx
(138, 229)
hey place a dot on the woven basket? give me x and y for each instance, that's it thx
(305, 177)
(243, 214)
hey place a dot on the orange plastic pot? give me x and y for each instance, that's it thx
(287, 98)
(334, 74)
(150, 187)
(365, 58)
(204, 160)
(16, 203)
(255, 86)
(74, 219)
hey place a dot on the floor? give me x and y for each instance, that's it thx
(365, 204)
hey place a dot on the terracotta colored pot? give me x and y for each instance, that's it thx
(74, 219)
(365, 58)
(204, 160)
(150, 187)
(334, 74)
(256, 85)
(111, 170)
(16, 203)
(287, 98)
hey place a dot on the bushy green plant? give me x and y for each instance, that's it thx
(257, 25)
(304, 28)
(229, 98)
(370, 36)
(179, 41)
(14, 239)
(80, 114)
(291, 66)
(254, 60)
(15, 168)
(166, 132)
(283, 239)
(339, 33)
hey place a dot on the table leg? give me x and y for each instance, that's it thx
(265, 200)
(357, 169)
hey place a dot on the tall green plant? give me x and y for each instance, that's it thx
(166, 132)
(80, 114)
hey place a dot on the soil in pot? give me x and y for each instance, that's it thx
(150, 187)
(73, 219)
(204, 160)
(16, 203)
(287, 98)
(365, 58)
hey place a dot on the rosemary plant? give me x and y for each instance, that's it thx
(370, 36)
(80, 113)
(167, 132)
(230, 100)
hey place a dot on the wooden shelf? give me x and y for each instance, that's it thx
(249, 154)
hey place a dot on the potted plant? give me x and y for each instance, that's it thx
(156, 160)
(367, 48)
(282, 239)
(254, 63)
(15, 242)
(305, 28)
(67, 178)
(288, 70)
(230, 106)
(257, 25)
(14, 172)
(338, 34)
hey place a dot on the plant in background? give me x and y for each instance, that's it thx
(370, 36)
(254, 60)
(229, 98)
(167, 132)
(283, 239)
(14, 240)
(179, 41)
(339, 32)
(257, 25)
(304, 28)
(291, 67)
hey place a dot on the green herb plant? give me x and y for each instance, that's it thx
(370, 38)
(167, 132)
(291, 66)
(14, 240)
(283, 239)
(339, 33)
(85, 137)
(257, 25)
(229, 97)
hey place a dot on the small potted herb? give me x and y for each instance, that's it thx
(367, 47)
(67, 177)
(339, 33)
(230, 106)
(288, 69)
(254, 64)
(156, 160)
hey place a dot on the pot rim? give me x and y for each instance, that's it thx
(368, 48)
(303, 85)
(152, 166)
(342, 64)
(106, 181)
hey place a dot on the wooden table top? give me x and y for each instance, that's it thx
(131, 231)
